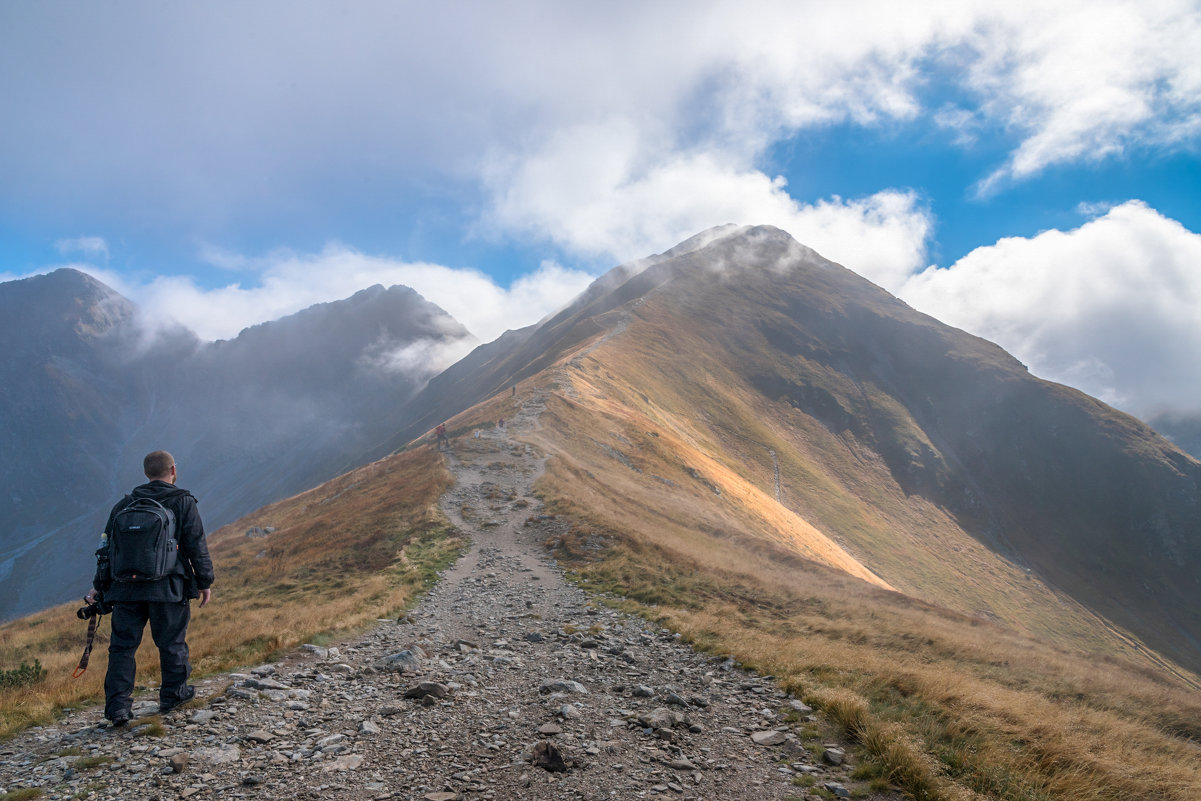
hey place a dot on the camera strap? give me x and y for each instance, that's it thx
(93, 621)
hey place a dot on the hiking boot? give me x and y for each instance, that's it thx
(181, 697)
(120, 719)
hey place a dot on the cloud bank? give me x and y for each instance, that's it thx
(284, 282)
(612, 131)
(629, 96)
(1112, 307)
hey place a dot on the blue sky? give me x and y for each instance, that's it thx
(1027, 171)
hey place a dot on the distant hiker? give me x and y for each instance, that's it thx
(501, 423)
(152, 560)
(476, 433)
(440, 435)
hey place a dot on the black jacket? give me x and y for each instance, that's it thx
(196, 568)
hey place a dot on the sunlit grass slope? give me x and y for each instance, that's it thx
(361, 547)
(662, 466)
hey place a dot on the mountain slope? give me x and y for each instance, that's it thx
(930, 455)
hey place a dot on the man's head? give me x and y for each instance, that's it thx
(159, 465)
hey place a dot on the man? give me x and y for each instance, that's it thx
(164, 602)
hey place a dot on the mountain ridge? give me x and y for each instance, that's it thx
(896, 421)
(729, 435)
(91, 387)
(956, 436)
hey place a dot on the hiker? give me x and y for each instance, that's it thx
(440, 434)
(164, 602)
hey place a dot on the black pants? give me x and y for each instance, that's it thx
(168, 627)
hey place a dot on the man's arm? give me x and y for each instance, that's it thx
(195, 549)
(103, 578)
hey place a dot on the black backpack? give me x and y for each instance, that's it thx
(143, 545)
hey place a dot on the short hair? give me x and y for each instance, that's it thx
(157, 464)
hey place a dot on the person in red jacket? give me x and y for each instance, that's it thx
(165, 603)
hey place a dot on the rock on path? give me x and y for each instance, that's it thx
(506, 682)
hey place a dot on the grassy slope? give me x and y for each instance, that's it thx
(840, 485)
(355, 549)
(672, 506)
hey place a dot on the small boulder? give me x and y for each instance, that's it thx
(834, 756)
(562, 686)
(406, 661)
(548, 757)
(426, 689)
(662, 718)
(769, 737)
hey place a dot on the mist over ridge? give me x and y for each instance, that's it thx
(95, 383)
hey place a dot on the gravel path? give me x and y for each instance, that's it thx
(506, 682)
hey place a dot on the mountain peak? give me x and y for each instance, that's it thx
(66, 300)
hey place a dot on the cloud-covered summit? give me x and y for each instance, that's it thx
(234, 167)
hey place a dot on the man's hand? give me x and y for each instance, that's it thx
(92, 597)
(204, 596)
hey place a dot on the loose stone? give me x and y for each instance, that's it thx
(770, 737)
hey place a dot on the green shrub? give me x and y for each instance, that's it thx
(22, 676)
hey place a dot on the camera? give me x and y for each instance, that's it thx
(94, 610)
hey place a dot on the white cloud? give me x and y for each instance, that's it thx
(1086, 81)
(89, 246)
(345, 96)
(1073, 81)
(287, 282)
(609, 207)
(422, 358)
(1112, 307)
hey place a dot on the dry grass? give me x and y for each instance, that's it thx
(358, 548)
(950, 704)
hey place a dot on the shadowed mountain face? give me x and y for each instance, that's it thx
(85, 392)
(1184, 431)
(930, 455)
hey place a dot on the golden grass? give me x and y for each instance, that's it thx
(361, 547)
(950, 704)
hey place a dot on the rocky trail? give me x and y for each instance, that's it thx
(506, 682)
